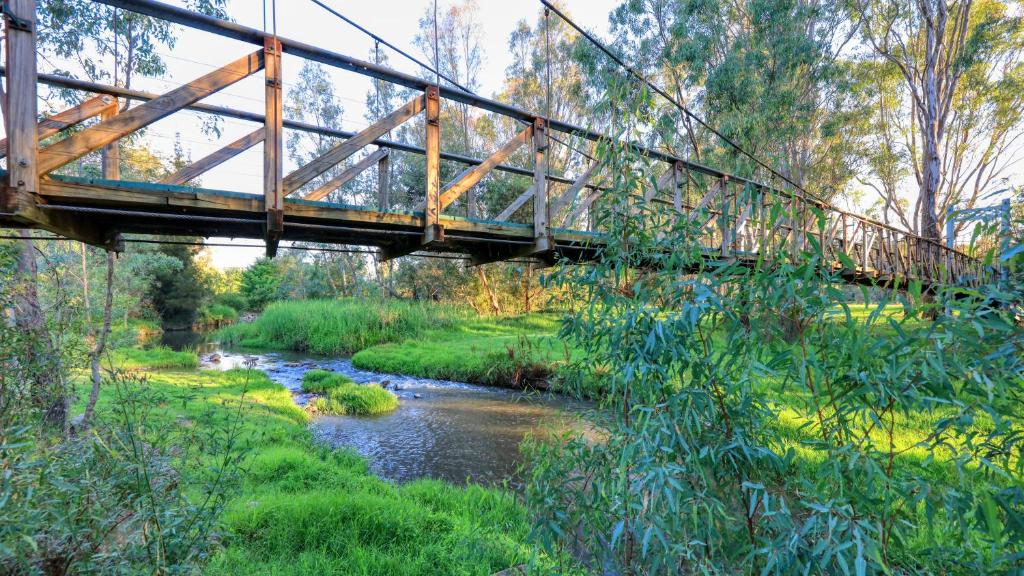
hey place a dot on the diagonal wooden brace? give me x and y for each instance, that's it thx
(342, 151)
(207, 163)
(347, 176)
(74, 147)
(472, 176)
(67, 118)
(516, 204)
(570, 194)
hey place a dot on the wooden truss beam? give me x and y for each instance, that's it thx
(588, 200)
(68, 118)
(78, 145)
(342, 151)
(516, 204)
(347, 176)
(570, 194)
(207, 163)
(715, 190)
(473, 175)
(20, 112)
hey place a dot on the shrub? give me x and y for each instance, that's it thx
(355, 400)
(218, 313)
(231, 299)
(320, 381)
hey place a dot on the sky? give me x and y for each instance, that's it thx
(397, 21)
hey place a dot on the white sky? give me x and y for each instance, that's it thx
(397, 21)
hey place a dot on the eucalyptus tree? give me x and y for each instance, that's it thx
(961, 71)
(771, 75)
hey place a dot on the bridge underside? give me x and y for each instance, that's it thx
(97, 211)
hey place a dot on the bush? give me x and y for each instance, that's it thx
(320, 381)
(355, 400)
(231, 299)
(218, 313)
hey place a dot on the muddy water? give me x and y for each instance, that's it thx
(445, 430)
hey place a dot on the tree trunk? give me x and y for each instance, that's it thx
(490, 293)
(97, 350)
(46, 385)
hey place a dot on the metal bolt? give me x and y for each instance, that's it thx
(23, 163)
(21, 182)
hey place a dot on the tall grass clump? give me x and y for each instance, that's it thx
(319, 381)
(349, 399)
(339, 326)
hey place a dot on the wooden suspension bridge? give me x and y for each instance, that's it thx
(734, 211)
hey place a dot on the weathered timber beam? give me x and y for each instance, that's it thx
(67, 118)
(570, 194)
(273, 147)
(27, 210)
(207, 163)
(78, 145)
(588, 200)
(718, 187)
(20, 111)
(347, 176)
(343, 150)
(476, 173)
(432, 211)
(516, 204)
(660, 184)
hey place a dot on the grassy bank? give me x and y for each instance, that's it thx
(340, 395)
(300, 508)
(512, 351)
(339, 326)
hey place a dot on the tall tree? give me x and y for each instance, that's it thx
(960, 63)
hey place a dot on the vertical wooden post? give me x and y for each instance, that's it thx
(21, 109)
(541, 217)
(273, 158)
(384, 182)
(431, 228)
(111, 154)
(677, 186)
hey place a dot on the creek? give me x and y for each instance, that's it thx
(445, 430)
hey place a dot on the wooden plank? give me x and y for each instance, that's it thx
(540, 181)
(663, 180)
(111, 155)
(588, 200)
(433, 146)
(21, 95)
(384, 182)
(707, 198)
(516, 204)
(347, 176)
(340, 152)
(273, 146)
(78, 145)
(68, 118)
(570, 194)
(214, 159)
(473, 175)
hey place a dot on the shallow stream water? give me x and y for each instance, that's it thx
(445, 430)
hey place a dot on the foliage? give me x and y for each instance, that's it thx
(259, 283)
(217, 313)
(749, 428)
(152, 358)
(126, 498)
(177, 294)
(348, 398)
(233, 300)
(319, 381)
(338, 326)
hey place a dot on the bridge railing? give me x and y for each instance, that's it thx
(740, 216)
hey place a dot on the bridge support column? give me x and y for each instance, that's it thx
(541, 213)
(273, 160)
(20, 110)
(432, 230)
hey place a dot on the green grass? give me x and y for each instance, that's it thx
(154, 358)
(302, 508)
(218, 313)
(339, 326)
(502, 351)
(319, 381)
(347, 398)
